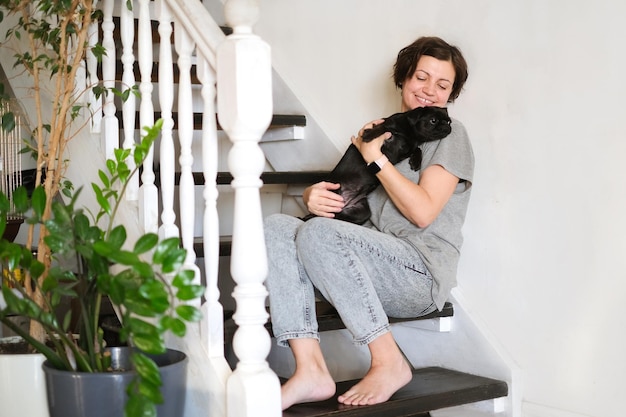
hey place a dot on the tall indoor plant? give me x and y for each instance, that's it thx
(146, 282)
(50, 41)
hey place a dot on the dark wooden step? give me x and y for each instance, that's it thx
(430, 389)
(286, 177)
(278, 120)
(225, 178)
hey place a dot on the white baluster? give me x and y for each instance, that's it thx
(148, 200)
(127, 34)
(184, 48)
(167, 160)
(213, 331)
(244, 80)
(94, 103)
(110, 124)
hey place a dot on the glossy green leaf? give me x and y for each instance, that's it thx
(38, 200)
(8, 122)
(189, 313)
(5, 204)
(174, 260)
(176, 326)
(146, 368)
(101, 199)
(149, 343)
(183, 278)
(190, 292)
(145, 243)
(163, 248)
(156, 294)
(117, 237)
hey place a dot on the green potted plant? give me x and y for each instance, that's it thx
(149, 286)
(49, 41)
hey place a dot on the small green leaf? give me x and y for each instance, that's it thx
(184, 277)
(149, 343)
(164, 247)
(62, 215)
(39, 201)
(8, 122)
(117, 237)
(189, 313)
(146, 368)
(190, 292)
(176, 326)
(5, 204)
(174, 260)
(20, 199)
(146, 243)
(154, 292)
(102, 201)
(104, 178)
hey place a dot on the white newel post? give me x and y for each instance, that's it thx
(244, 80)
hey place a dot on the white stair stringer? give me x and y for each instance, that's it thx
(206, 376)
(469, 347)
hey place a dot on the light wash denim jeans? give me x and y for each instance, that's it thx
(365, 274)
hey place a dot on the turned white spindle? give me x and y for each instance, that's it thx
(95, 108)
(110, 124)
(185, 47)
(148, 210)
(213, 331)
(127, 35)
(167, 158)
(244, 79)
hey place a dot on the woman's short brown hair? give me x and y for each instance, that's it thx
(408, 57)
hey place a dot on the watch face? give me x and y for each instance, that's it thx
(373, 168)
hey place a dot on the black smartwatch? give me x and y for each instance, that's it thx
(375, 167)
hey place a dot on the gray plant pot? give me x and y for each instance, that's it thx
(82, 394)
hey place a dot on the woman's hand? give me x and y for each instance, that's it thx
(370, 151)
(420, 203)
(321, 200)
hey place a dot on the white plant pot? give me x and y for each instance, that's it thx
(22, 385)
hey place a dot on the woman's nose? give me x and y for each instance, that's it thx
(429, 89)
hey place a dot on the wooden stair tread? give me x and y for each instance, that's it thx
(278, 120)
(430, 389)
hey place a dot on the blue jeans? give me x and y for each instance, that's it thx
(365, 274)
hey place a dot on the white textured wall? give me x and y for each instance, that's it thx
(543, 265)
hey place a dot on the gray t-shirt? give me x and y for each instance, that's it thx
(439, 243)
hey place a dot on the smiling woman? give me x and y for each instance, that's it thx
(429, 72)
(394, 264)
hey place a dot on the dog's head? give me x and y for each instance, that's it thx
(430, 123)
(413, 128)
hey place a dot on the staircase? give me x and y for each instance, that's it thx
(177, 79)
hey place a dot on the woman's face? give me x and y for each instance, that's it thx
(430, 85)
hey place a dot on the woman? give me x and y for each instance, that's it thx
(401, 263)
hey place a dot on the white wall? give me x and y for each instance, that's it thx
(542, 265)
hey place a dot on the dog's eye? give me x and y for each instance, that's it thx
(433, 121)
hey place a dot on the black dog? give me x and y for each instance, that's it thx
(408, 131)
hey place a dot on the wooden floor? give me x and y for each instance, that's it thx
(431, 389)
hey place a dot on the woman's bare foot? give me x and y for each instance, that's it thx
(311, 381)
(388, 373)
(305, 387)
